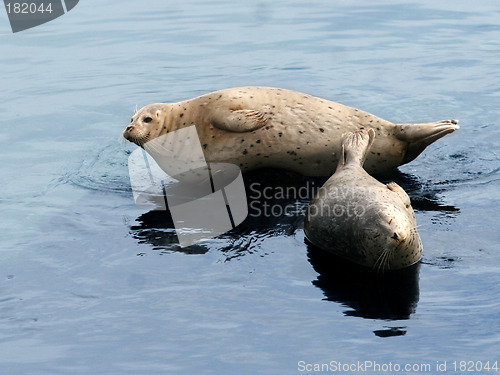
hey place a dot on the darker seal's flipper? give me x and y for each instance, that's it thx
(355, 148)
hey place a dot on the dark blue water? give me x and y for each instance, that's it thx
(91, 284)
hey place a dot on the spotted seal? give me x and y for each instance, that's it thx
(356, 217)
(256, 127)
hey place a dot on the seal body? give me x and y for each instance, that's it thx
(256, 127)
(358, 218)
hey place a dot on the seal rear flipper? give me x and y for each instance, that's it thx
(355, 148)
(419, 136)
(239, 120)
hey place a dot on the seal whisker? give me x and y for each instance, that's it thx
(155, 147)
(383, 260)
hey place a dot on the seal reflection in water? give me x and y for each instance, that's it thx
(360, 219)
(257, 127)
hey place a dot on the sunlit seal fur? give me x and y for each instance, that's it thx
(358, 218)
(256, 127)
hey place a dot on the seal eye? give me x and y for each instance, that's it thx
(147, 119)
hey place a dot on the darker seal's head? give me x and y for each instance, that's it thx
(390, 238)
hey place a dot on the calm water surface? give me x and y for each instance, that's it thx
(91, 284)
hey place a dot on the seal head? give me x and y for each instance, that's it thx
(147, 124)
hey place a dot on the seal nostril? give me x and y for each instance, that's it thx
(130, 127)
(395, 236)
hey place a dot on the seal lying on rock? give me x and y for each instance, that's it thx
(358, 218)
(256, 127)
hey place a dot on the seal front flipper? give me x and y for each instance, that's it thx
(239, 120)
(419, 136)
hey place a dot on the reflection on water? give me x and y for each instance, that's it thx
(391, 295)
(275, 209)
(390, 331)
(386, 296)
(277, 201)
